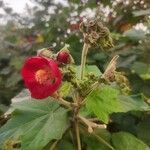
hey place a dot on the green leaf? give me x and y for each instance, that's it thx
(124, 122)
(142, 69)
(89, 69)
(143, 129)
(126, 141)
(102, 102)
(145, 76)
(3, 108)
(65, 145)
(35, 123)
(92, 69)
(17, 62)
(85, 112)
(129, 103)
(24, 95)
(13, 79)
(99, 141)
(65, 89)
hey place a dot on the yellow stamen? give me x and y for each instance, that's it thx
(42, 76)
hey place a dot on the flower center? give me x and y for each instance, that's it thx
(42, 76)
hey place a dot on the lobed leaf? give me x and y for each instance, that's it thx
(35, 123)
(106, 100)
(102, 102)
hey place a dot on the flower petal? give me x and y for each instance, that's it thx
(41, 90)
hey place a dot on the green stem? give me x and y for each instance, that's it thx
(76, 121)
(103, 141)
(100, 139)
(66, 103)
(53, 145)
(78, 135)
(83, 58)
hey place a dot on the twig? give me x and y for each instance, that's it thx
(83, 58)
(53, 145)
(103, 141)
(91, 124)
(93, 119)
(66, 103)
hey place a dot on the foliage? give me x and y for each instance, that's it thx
(37, 121)
(102, 102)
(44, 124)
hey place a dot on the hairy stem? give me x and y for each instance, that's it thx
(83, 58)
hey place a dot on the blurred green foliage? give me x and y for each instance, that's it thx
(50, 24)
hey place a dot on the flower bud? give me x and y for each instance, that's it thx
(64, 57)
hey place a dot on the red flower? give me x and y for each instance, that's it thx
(42, 76)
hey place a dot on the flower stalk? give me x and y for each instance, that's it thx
(83, 58)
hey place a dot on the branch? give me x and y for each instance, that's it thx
(66, 103)
(91, 124)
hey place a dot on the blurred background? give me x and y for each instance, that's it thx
(29, 25)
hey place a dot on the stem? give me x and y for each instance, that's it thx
(103, 141)
(78, 135)
(66, 103)
(100, 139)
(62, 101)
(91, 124)
(76, 121)
(53, 145)
(72, 138)
(83, 58)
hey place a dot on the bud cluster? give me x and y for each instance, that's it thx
(95, 33)
(123, 82)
